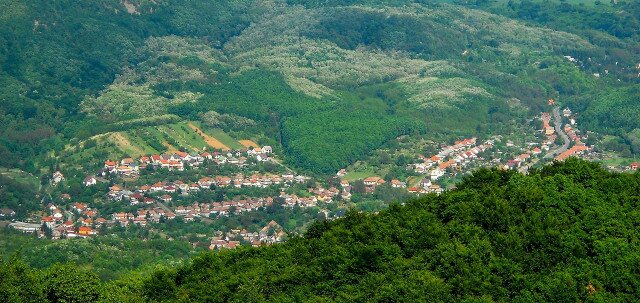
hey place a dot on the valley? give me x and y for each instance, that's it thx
(323, 151)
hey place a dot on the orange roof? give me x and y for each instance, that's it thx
(372, 179)
(571, 151)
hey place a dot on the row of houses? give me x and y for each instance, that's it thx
(271, 233)
(136, 195)
(452, 158)
(179, 160)
(522, 159)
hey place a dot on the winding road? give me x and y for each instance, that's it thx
(558, 126)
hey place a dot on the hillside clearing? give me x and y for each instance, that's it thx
(213, 142)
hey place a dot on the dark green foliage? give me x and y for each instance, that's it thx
(317, 135)
(565, 233)
(18, 196)
(500, 237)
(615, 110)
(69, 284)
(109, 257)
(53, 53)
(19, 283)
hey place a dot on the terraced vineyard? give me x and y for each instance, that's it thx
(150, 140)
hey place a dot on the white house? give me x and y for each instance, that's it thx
(90, 180)
(57, 177)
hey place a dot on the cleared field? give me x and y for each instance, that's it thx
(140, 142)
(184, 136)
(225, 138)
(21, 176)
(124, 144)
(358, 175)
(168, 138)
(211, 141)
(248, 143)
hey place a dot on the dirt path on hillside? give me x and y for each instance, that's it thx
(213, 142)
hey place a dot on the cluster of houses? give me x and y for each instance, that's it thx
(270, 234)
(179, 160)
(58, 228)
(205, 210)
(452, 158)
(573, 132)
(136, 196)
(522, 159)
(547, 129)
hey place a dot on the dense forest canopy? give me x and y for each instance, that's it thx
(565, 233)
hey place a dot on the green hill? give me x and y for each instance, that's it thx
(436, 68)
(566, 233)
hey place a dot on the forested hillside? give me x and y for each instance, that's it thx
(566, 233)
(410, 66)
(183, 125)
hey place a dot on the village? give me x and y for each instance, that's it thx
(162, 201)
(557, 138)
(146, 204)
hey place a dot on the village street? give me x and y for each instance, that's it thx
(565, 138)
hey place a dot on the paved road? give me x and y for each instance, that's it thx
(558, 126)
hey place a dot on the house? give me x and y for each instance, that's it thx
(50, 222)
(159, 186)
(436, 173)
(262, 157)
(86, 231)
(267, 149)
(398, 184)
(7, 212)
(634, 166)
(89, 181)
(79, 207)
(373, 181)
(344, 183)
(110, 165)
(166, 198)
(425, 183)
(57, 177)
(566, 112)
(206, 155)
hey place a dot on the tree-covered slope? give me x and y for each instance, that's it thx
(566, 233)
(71, 71)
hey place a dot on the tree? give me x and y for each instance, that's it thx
(69, 284)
